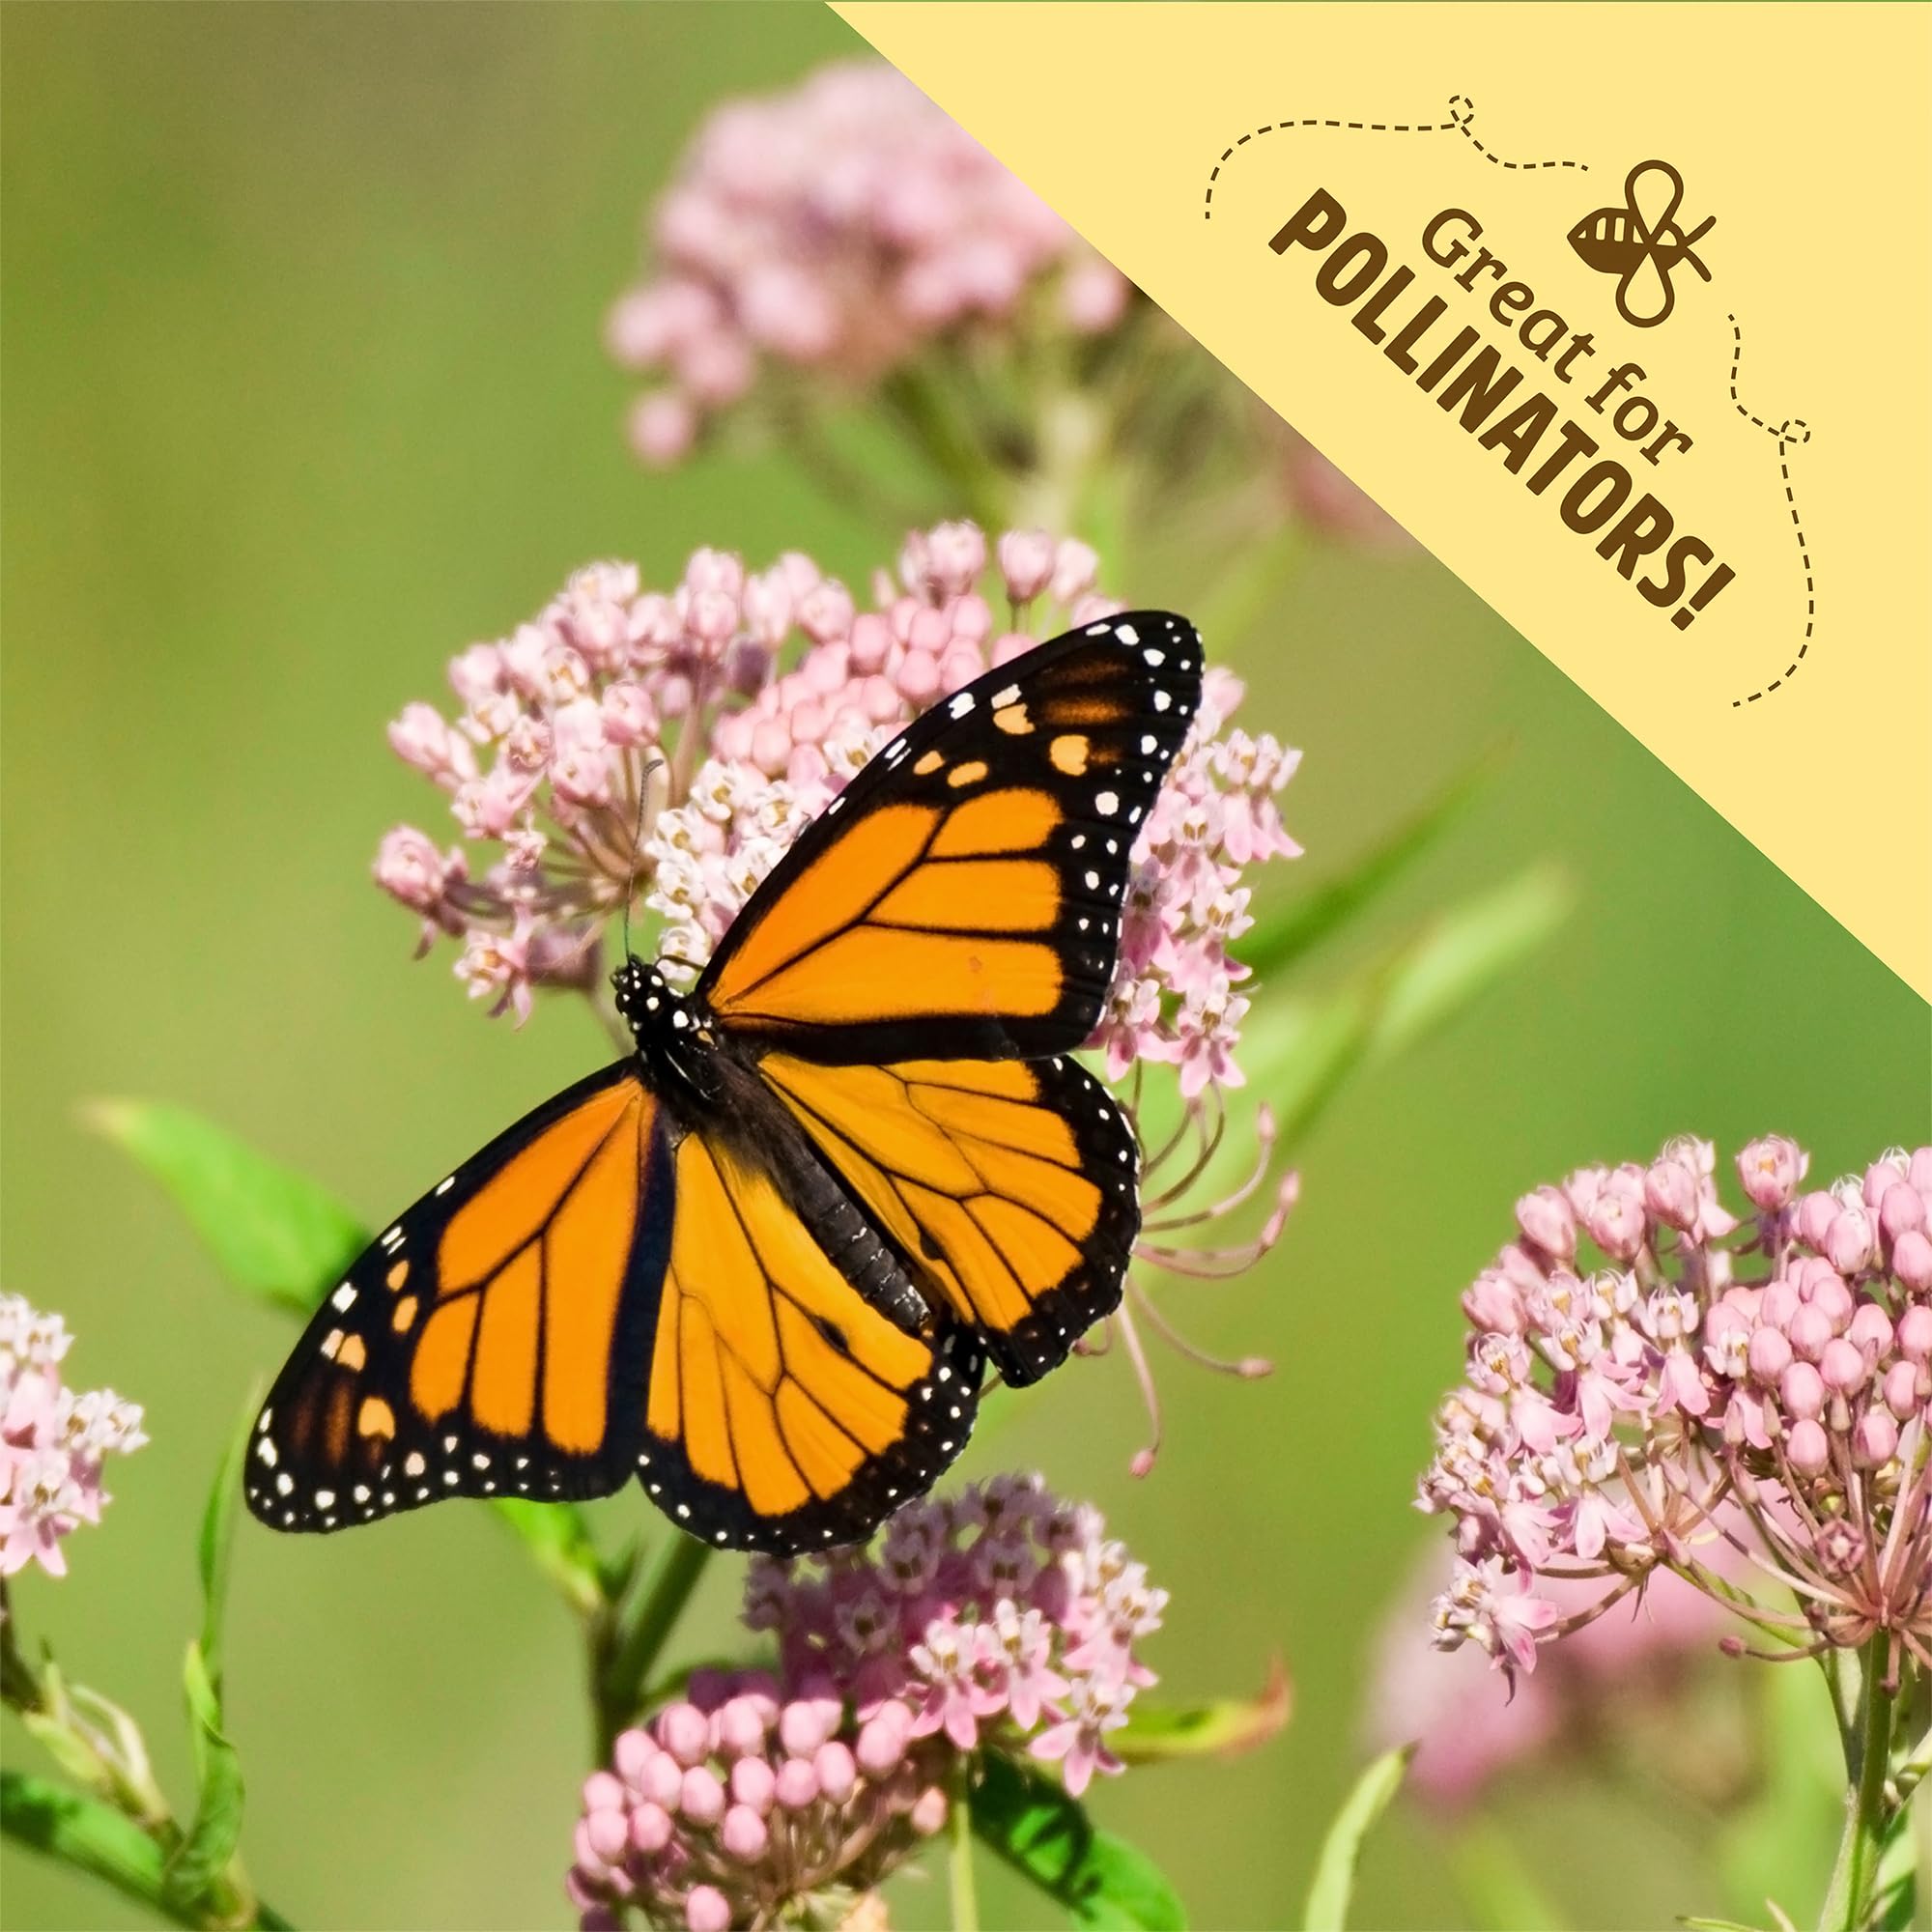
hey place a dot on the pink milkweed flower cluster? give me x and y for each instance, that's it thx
(838, 227)
(671, 746)
(53, 1441)
(630, 744)
(1003, 1621)
(1753, 1385)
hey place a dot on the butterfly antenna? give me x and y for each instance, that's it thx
(653, 764)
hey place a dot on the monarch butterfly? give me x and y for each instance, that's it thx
(763, 1261)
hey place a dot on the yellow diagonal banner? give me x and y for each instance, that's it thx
(1623, 311)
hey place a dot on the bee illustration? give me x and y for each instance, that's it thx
(1641, 243)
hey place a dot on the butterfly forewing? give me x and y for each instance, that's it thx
(488, 1340)
(962, 898)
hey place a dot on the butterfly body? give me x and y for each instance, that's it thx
(763, 1261)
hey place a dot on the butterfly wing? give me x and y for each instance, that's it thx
(961, 897)
(481, 1344)
(784, 1412)
(1011, 1187)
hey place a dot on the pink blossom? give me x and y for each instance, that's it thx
(763, 1800)
(53, 1441)
(1602, 1416)
(846, 226)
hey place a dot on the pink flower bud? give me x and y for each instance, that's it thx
(1841, 1366)
(1769, 1170)
(659, 1778)
(1902, 1211)
(744, 1834)
(1919, 1170)
(607, 1832)
(1914, 1332)
(1094, 297)
(1815, 1214)
(1848, 1241)
(1494, 1306)
(1770, 1356)
(632, 1751)
(1076, 566)
(1026, 562)
(1809, 1330)
(707, 1910)
(1011, 644)
(741, 1730)
(1547, 1219)
(685, 1732)
(1806, 1448)
(837, 1771)
(797, 1784)
(1911, 1261)
(1870, 1332)
(955, 555)
(882, 1739)
(1901, 1390)
(650, 1827)
(1833, 1300)
(1878, 1177)
(1778, 1304)
(662, 428)
(586, 1852)
(629, 716)
(1874, 1439)
(806, 1723)
(1670, 1192)
(1802, 1391)
(603, 1793)
(702, 1797)
(753, 1784)
(929, 1812)
(918, 678)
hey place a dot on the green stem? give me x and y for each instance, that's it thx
(1847, 1904)
(964, 1895)
(640, 1631)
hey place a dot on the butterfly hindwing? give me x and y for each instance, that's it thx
(961, 897)
(1011, 1187)
(483, 1344)
(782, 1412)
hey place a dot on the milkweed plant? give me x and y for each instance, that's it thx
(629, 763)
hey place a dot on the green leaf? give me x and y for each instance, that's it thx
(217, 1538)
(1327, 1908)
(1279, 940)
(89, 1835)
(197, 1868)
(1467, 951)
(1156, 1734)
(1101, 1880)
(200, 1862)
(272, 1232)
(558, 1537)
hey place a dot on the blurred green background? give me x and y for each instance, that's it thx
(304, 391)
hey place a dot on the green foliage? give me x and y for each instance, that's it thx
(1157, 1734)
(1308, 916)
(197, 1868)
(274, 1233)
(1101, 1880)
(88, 1835)
(1327, 1907)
